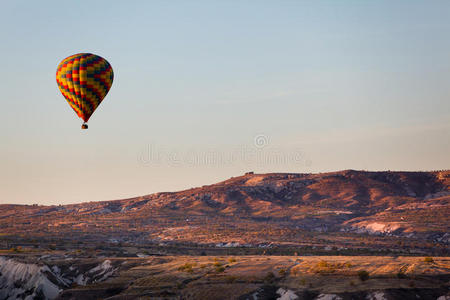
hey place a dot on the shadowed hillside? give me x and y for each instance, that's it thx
(408, 210)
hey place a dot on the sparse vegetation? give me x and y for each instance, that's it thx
(247, 273)
(76, 222)
(327, 267)
(124, 229)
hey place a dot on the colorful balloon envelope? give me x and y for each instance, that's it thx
(84, 79)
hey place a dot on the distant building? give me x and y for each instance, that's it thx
(250, 173)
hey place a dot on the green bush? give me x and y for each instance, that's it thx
(363, 275)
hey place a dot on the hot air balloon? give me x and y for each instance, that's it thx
(84, 79)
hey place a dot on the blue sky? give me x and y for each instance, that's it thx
(320, 85)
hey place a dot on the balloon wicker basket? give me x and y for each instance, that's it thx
(84, 126)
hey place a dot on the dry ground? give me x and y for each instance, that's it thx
(231, 277)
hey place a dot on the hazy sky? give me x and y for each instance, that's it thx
(206, 90)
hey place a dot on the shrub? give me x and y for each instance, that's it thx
(269, 277)
(17, 249)
(187, 267)
(231, 260)
(220, 269)
(322, 264)
(282, 272)
(428, 259)
(363, 275)
(217, 264)
(324, 267)
(401, 275)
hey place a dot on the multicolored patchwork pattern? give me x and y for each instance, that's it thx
(84, 79)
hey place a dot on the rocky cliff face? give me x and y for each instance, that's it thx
(41, 280)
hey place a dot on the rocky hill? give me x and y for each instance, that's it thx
(327, 209)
